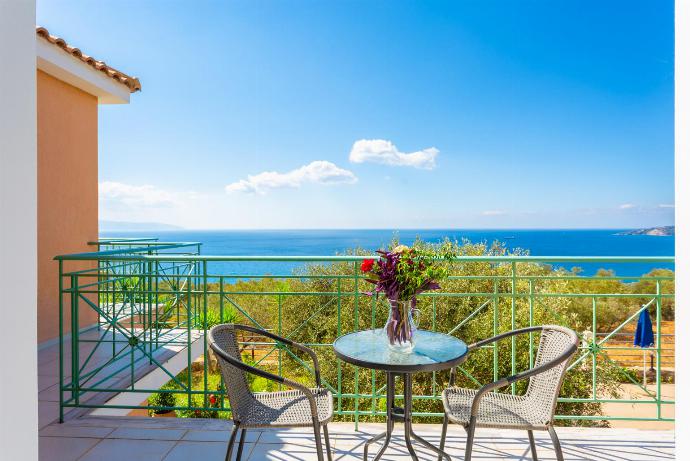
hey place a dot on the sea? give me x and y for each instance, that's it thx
(562, 242)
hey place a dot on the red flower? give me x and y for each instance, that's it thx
(212, 399)
(367, 265)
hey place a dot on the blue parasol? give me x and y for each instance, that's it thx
(644, 335)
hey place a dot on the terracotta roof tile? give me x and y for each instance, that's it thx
(130, 82)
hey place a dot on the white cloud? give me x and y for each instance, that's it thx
(627, 206)
(317, 172)
(385, 152)
(136, 196)
(493, 213)
(666, 205)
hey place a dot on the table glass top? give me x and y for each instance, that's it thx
(370, 347)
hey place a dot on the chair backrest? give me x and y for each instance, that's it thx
(224, 337)
(543, 388)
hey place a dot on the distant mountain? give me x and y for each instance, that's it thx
(117, 226)
(663, 231)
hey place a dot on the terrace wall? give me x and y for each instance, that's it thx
(67, 190)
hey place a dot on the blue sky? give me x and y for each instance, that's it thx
(475, 114)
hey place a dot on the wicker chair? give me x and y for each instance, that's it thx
(532, 411)
(298, 407)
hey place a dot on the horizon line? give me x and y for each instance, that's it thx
(393, 229)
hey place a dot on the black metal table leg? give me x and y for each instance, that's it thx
(428, 445)
(407, 396)
(390, 421)
(405, 415)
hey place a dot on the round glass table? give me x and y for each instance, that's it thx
(432, 352)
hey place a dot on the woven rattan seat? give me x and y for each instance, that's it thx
(297, 407)
(288, 408)
(534, 410)
(495, 410)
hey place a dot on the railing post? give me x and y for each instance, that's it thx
(61, 345)
(280, 333)
(221, 300)
(340, 364)
(433, 328)
(513, 291)
(132, 311)
(373, 372)
(205, 327)
(74, 318)
(189, 340)
(149, 313)
(100, 264)
(177, 284)
(356, 326)
(595, 350)
(114, 310)
(658, 349)
(495, 327)
(531, 322)
(158, 302)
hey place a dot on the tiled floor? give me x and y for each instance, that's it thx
(113, 438)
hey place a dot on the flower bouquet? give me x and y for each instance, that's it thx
(401, 274)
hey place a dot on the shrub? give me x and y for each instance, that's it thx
(213, 317)
(162, 399)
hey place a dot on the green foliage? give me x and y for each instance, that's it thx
(128, 284)
(162, 399)
(257, 383)
(213, 316)
(197, 409)
(668, 305)
(612, 311)
(199, 405)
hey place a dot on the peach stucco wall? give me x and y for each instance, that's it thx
(67, 190)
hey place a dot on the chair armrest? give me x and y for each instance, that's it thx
(471, 347)
(508, 334)
(289, 342)
(268, 375)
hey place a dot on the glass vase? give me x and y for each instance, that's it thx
(401, 326)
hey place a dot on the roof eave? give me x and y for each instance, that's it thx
(70, 69)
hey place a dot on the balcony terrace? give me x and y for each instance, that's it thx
(155, 302)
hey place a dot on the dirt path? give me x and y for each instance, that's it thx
(639, 410)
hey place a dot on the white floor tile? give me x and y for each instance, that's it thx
(130, 450)
(63, 448)
(186, 451)
(63, 430)
(218, 436)
(146, 434)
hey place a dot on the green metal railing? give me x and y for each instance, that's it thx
(156, 300)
